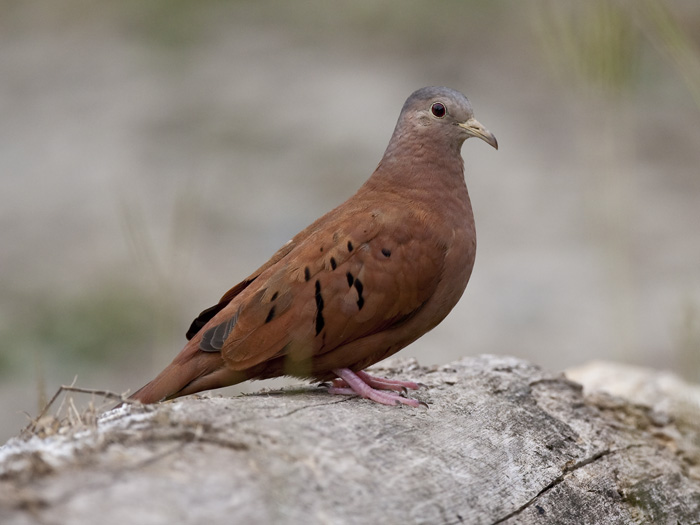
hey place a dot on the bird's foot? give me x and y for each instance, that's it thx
(370, 387)
(380, 383)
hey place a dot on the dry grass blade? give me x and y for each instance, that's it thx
(664, 29)
(75, 415)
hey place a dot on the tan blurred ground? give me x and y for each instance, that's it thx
(153, 153)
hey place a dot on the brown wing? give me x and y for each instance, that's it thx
(340, 282)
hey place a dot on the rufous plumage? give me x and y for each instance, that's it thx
(360, 283)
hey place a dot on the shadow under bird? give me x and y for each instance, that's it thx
(357, 285)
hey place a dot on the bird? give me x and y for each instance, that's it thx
(357, 285)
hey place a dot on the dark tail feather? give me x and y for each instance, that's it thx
(201, 371)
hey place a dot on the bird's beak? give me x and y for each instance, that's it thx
(475, 129)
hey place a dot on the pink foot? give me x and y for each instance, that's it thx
(383, 383)
(365, 385)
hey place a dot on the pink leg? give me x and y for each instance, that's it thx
(380, 383)
(362, 384)
(387, 384)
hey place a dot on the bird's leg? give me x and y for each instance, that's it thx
(380, 383)
(362, 384)
(387, 384)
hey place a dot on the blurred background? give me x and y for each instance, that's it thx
(153, 153)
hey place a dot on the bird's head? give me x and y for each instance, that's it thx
(444, 114)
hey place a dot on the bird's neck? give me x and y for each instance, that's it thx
(420, 164)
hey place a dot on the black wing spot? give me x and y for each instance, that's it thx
(274, 296)
(307, 274)
(320, 322)
(351, 279)
(350, 247)
(386, 252)
(203, 318)
(207, 315)
(334, 265)
(270, 315)
(360, 299)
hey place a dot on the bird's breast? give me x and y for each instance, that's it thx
(454, 229)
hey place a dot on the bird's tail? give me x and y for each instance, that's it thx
(189, 372)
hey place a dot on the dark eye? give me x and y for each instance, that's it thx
(438, 109)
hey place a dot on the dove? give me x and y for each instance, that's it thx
(357, 285)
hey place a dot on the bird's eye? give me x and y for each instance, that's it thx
(438, 109)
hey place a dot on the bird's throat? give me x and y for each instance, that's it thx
(436, 168)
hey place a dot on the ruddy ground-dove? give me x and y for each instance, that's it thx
(357, 285)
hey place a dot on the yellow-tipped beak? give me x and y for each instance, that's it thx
(475, 129)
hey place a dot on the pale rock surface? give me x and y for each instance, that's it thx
(502, 442)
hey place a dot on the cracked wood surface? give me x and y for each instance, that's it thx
(502, 442)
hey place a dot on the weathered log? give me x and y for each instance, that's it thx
(502, 442)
